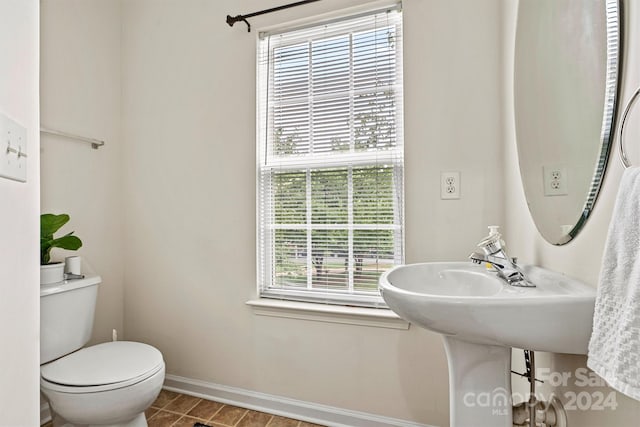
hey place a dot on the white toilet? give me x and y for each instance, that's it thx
(109, 384)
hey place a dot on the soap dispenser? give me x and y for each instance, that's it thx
(493, 237)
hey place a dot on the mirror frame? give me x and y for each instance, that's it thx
(614, 64)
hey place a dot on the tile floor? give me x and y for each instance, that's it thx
(181, 410)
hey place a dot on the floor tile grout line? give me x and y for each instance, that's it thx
(216, 413)
(188, 416)
(159, 408)
(270, 419)
(181, 416)
(177, 412)
(191, 408)
(246, 411)
(174, 413)
(211, 418)
(242, 417)
(174, 423)
(167, 404)
(197, 403)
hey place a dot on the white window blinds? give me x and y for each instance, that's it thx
(330, 159)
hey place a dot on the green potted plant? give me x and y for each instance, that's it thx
(52, 272)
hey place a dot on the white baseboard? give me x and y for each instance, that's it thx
(297, 409)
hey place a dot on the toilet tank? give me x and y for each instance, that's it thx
(66, 316)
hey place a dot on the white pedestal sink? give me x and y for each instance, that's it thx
(481, 318)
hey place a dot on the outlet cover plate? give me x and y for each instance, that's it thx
(449, 185)
(555, 180)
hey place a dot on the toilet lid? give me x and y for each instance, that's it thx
(102, 364)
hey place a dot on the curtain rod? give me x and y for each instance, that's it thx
(95, 143)
(233, 19)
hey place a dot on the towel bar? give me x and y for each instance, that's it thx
(95, 143)
(623, 155)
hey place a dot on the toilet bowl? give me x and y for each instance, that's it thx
(108, 384)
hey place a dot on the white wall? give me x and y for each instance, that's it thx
(189, 132)
(19, 259)
(80, 94)
(581, 257)
(175, 200)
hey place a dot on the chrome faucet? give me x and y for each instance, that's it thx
(494, 254)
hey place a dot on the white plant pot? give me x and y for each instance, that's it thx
(51, 273)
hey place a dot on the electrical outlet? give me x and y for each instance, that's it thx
(555, 180)
(449, 185)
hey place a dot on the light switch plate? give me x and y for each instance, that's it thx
(13, 149)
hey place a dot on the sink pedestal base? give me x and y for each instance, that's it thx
(479, 384)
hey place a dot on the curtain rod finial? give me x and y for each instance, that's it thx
(233, 19)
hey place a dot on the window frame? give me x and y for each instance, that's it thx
(395, 158)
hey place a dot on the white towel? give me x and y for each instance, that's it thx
(614, 349)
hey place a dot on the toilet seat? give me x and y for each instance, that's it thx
(102, 367)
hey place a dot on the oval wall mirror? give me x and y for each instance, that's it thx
(565, 88)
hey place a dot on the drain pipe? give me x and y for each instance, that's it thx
(530, 359)
(534, 412)
(547, 414)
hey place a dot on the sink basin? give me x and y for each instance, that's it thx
(469, 302)
(481, 317)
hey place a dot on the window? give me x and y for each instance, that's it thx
(330, 159)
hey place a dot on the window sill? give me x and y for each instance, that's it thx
(374, 317)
